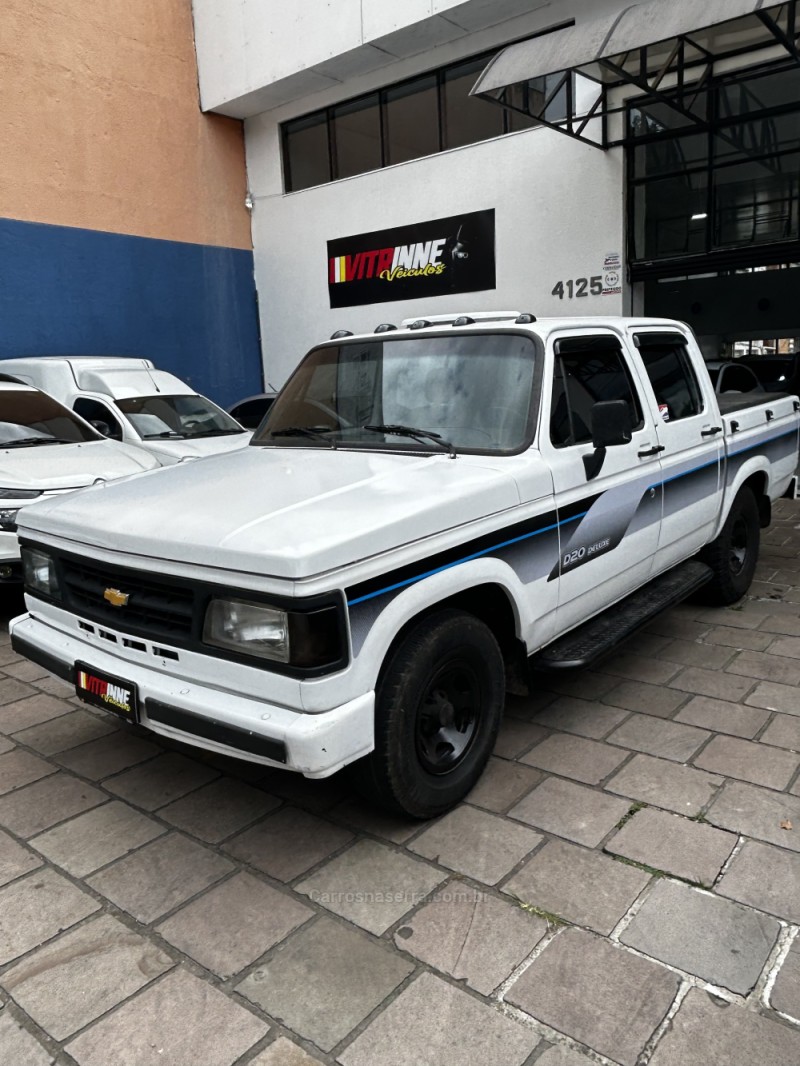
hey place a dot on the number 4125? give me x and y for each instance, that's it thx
(578, 287)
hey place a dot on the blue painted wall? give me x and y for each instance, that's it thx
(191, 308)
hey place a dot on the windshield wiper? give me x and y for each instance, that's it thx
(416, 434)
(216, 433)
(28, 442)
(170, 434)
(317, 433)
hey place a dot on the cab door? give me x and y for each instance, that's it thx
(690, 434)
(608, 522)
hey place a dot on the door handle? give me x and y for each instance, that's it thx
(651, 451)
(710, 431)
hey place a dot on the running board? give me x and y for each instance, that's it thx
(601, 635)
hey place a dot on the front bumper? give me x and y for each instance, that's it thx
(313, 744)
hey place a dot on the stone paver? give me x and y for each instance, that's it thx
(640, 668)
(583, 887)
(516, 736)
(76, 978)
(572, 811)
(181, 1019)
(158, 782)
(716, 940)
(707, 1030)
(764, 877)
(324, 980)
(411, 1031)
(503, 783)
(219, 809)
(757, 763)
(679, 846)
(597, 993)
(283, 1052)
(757, 812)
(665, 784)
(287, 843)
(721, 716)
(656, 736)
(28, 708)
(37, 908)
(371, 885)
(471, 936)
(587, 719)
(65, 732)
(108, 755)
(84, 844)
(775, 697)
(649, 699)
(18, 1046)
(15, 860)
(785, 993)
(234, 924)
(765, 667)
(475, 843)
(575, 757)
(160, 876)
(356, 814)
(722, 686)
(19, 768)
(562, 1055)
(36, 807)
(783, 731)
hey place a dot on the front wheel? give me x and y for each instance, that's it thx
(734, 553)
(437, 711)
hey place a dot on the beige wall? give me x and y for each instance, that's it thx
(100, 125)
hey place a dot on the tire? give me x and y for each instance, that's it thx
(734, 553)
(428, 756)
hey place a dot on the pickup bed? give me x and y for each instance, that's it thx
(426, 512)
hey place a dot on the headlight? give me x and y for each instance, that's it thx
(308, 639)
(8, 519)
(40, 573)
(19, 494)
(248, 628)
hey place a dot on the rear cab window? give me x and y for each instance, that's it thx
(672, 376)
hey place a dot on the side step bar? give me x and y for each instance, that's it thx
(600, 635)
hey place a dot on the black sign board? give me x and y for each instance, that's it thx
(446, 255)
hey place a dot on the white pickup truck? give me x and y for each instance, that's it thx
(426, 512)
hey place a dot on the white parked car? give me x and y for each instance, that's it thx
(129, 400)
(45, 450)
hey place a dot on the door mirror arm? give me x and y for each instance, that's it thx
(611, 426)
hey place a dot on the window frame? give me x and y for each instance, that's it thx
(665, 339)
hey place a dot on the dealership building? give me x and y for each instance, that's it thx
(572, 157)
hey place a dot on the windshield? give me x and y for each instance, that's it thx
(32, 418)
(474, 392)
(177, 417)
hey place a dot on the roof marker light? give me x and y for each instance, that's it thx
(385, 327)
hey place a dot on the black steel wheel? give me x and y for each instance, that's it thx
(437, 712)
(734, 554)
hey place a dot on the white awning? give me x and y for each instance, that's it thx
(715, 27)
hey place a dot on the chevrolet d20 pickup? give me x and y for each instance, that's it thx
(427, 512)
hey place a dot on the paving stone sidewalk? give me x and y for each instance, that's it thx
(622, 887)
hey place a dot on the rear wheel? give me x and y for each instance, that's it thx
(734, 553)
(437, 711)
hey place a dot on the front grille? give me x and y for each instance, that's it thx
(156, 607)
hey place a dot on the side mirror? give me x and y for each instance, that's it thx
(611, 425)
(101, 427)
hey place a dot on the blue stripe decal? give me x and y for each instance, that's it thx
(466, 559)
(715, 462)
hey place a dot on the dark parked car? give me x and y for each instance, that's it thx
(732, 377)
(777, 373)
(250, 412)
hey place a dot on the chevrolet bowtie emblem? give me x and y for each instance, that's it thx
(116, 598)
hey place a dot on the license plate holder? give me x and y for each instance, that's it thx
(107, 691)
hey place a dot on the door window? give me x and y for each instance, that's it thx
(671, 374)
(95, 411)
(588, 370)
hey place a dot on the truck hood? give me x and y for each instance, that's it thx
(171, 451)
(53, 467)
(284, 512)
